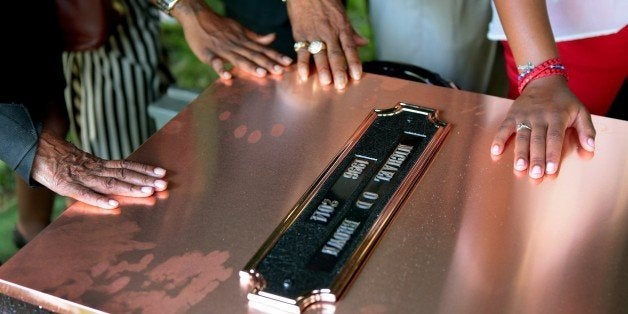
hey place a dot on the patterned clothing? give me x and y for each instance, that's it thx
(110, 88)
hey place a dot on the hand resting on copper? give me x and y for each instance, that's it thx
(69, 171)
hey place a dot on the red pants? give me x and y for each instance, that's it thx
(597, 68)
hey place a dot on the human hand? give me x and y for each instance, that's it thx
(548, 107)
(68, 171)
(217, 40)
(326, 21)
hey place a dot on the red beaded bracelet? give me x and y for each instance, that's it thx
(547, 68)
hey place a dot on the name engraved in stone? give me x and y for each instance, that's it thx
(393, 163)
(340, 238)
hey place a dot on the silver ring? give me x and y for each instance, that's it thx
(300, 44)
(316, 47)
(522, 125)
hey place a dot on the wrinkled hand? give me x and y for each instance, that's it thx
(68, 171)
(549, 108)
(326, 21)
(217, 40)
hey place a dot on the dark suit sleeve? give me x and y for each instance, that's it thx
(19, 136)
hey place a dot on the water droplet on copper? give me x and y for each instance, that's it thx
(277, 130)
(255, 136)
(224, 115)
(240, 131)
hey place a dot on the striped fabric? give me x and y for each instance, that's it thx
(109, 89)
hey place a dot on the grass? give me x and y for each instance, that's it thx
(189, 74)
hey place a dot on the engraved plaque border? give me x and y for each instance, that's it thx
(249, 274)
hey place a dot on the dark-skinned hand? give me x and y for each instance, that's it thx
(217, 40)
(326, 21)
(549, 108)
(69, 171)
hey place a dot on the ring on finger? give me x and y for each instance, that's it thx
(300, 44)
(316, 47)
(523, 125)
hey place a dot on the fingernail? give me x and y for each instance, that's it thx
(260, 72)
(340, 82)
(303, 74)
(520, 165)
(159, 171)
(278, 69)
(286, 60)
(161, 184)
(147, 190)
(355, 73)
(591, 142)
(550, 168)
(495, 150)
(113, 203)
(536, 171)
(325, 78)
(226, 75)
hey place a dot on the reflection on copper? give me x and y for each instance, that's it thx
(177, 286)
(473, 238)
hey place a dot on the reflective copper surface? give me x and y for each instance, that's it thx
(472, 237)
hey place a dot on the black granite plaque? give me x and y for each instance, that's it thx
(312, 256)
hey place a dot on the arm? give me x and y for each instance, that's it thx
(326, 21)
(217, 40)
(41, 155)
(546, 104)
(18, 138)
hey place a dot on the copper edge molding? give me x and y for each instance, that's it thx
(326, 298)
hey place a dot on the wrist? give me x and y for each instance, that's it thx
(529, 72)
(166, 6)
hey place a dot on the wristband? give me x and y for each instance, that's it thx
(529, 72)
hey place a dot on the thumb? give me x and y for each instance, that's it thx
(586, 131)
(359, 40)
(261, 39)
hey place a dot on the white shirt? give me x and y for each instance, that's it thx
(576, 19)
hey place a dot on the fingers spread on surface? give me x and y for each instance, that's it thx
(522, 149)
(506, 129)
(538, 136)
(352, 56)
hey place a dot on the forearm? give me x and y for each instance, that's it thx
(19, 136)
(527, 27)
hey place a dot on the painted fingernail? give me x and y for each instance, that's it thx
(278, 69)
(161, 184)
(536, 171)
(159, 171)
(520, 165)
(495, 150)
(591, 142)
(325, 78)
(550, 167)
(260, 72)
(113, 203)
(147, 190)
(286, 60)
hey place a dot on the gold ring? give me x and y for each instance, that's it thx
(316, 47)
(521, 126)
(300, 44)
